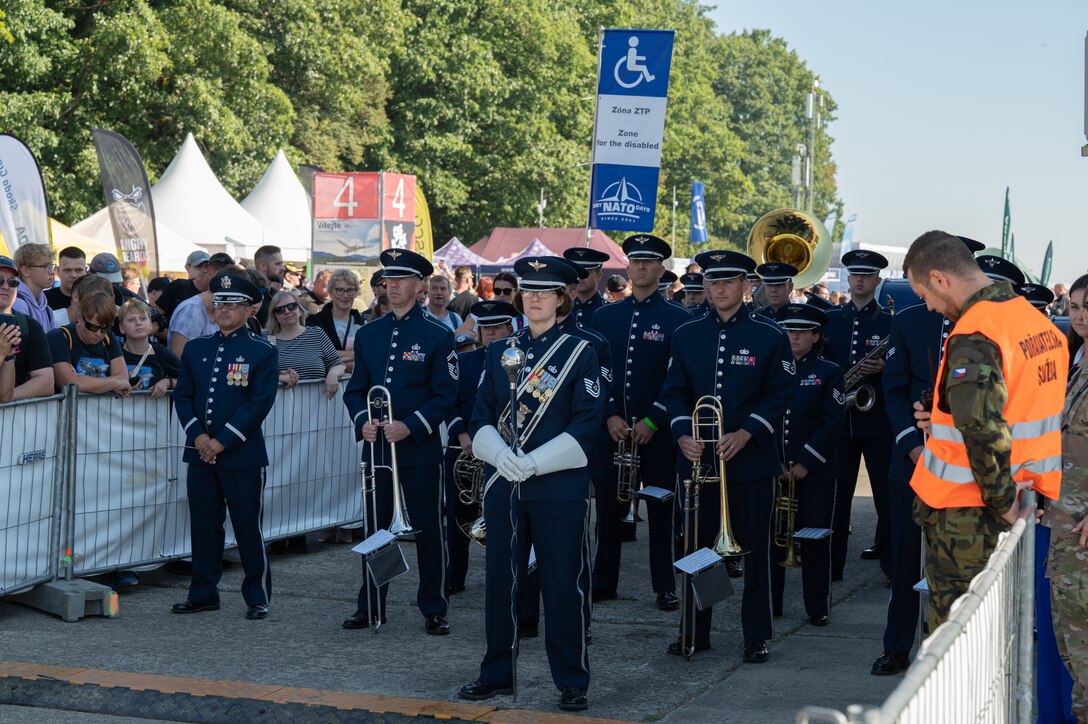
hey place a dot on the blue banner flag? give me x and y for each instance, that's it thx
(848, 233)
(698, 214)
(632, 88)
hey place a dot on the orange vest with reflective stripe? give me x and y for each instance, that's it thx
(1035, 365)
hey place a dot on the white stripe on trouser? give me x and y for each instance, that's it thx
(260, 533)
(442, 531)
(583, 660)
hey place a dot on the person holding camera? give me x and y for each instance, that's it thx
(26, 367)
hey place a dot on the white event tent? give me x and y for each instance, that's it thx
(280, 203)
(173, 247)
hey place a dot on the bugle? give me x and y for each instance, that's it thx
(378, 398)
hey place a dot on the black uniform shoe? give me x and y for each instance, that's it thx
(525, 632)
(573, 699)
(755, 652)
(819, 620)
(257, 611)
(735, 567)
(889, 664)
(437, 625)
(193, 607)
(599, 594)
(480, 690)
(277, 548)
(589, 637)
(454, 588)
(358, 620)
(668, 601)
(675, 648)
(872, 553)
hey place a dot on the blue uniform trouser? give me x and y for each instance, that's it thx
(212, 492)
(1053, 684)
(558, 530)
(750, 506)
(815, 505)
(529, 590)
(457, 515)
(656, 467)
(906, 562)
(878, 459)
(423, 499)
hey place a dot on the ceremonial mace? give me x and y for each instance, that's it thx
(513, 361)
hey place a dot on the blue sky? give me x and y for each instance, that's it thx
(944, 104)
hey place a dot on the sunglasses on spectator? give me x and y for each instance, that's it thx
(289, 307)
(341, 292)
(504, 291)
(13, 283)
(91, 327)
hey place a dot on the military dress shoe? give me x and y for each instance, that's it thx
(872, 553)
(819, 620)
(668, 601)
(257, 611)
(480, 690)
(735, 567)
(755, 652)
(599, 594)
(437, 625)
(589, 637)
(889, 664)
(454, 588)
(676, 648)
(193, 607)
(573, 698)
(359, 619)
(528, 632)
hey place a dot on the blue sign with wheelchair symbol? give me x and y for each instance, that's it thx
(635, 63)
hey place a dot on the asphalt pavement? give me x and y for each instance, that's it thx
(302, 644)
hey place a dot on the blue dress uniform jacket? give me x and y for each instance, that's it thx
(583, 311)
(814, 419)
(746, 362)
(414, 358)
(471, 371)
(639, 335)
(851, 334)
(226, 387)
(569, 325)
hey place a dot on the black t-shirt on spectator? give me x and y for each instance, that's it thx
(33, 352)
(56, 299)
(92, 360)
(177, 292)
(159, 364)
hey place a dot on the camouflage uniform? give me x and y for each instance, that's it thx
(959, 541)
(1067, 566)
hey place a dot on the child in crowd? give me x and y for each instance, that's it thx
(150, 365)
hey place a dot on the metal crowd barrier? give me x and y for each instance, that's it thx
(96, 483)
(978, 665)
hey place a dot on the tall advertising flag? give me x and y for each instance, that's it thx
(698, 214)
(632, 88)
(128, 197)
(24, 213)
(848, 233)
(1005, 224)
(1048, 261)
(829, 222)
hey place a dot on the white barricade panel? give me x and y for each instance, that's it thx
(28, 459)
(121, 480)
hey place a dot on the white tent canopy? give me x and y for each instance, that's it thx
(173, 247)
(189, 199)
(280, 203)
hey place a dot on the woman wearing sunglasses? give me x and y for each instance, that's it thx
(85, 352)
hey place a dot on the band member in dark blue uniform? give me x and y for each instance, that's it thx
(494, 320)
(639, 330)
(664, 285)
(587, 298)
(226, 387)
(559, 407)
(411, 354)
(694, 291)
(853, 331)
(777, 278)
(744, 360)
(1039, 296)
(809, 441)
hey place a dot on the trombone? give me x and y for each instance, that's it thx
(378, 398)
(785, 517)
(707, 427)
(691, 538)
(627, 461)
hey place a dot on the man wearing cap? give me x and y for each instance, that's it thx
(995, 425)
(664, 285)
(853, 331)
(639, 330)
(35, 262)
(200, 276)
(588, 298)
(777, 278)
(226, 387)
(809, 437)
(1039, 296)
(694, 292)
(914, 355)
(494, 320)
(26, 366)
(744, 360)
(292, 276)
(410, 354)
(109, 268)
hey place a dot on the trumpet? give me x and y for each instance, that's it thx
(785, 517)
(468, 475)
(378, 398)
(626, 462)
(707, 427)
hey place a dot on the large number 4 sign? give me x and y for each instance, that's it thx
(346, 195)
(399, 202)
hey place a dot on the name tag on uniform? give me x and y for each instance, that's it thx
(413, 355)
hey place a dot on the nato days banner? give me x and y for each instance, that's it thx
(632, 87)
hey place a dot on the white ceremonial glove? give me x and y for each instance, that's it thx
(489, 446)
(510, 468)
(562, 452)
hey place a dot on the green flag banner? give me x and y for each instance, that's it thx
(1048, 261)
(1005, 224)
